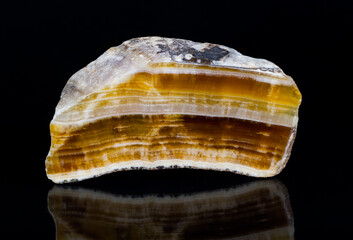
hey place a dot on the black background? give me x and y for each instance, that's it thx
(44, 43)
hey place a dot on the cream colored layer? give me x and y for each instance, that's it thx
(95, 172)
(143, 102)
(213, 71)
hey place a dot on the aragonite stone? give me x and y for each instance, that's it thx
(259, 210)
(161, 102)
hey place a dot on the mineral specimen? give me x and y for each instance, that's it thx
(157, 102)
(259, 210)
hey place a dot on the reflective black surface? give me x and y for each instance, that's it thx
(259, 210)
(43, 44)
(313, 205)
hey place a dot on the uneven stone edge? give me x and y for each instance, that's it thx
(160, 164)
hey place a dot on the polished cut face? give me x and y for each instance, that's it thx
(158, 103)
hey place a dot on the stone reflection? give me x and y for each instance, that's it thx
(258, 210)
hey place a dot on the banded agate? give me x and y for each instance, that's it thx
(259, 210)
(157, 102)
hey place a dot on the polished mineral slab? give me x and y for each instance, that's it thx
(258, 210)
(157, 102)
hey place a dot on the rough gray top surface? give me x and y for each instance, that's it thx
(136, 54)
